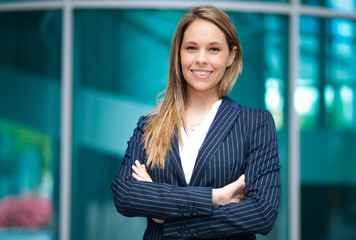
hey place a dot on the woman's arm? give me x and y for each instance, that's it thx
(140, 174)
(188, 211)
(258, 211)
(233, 192)
(153, 199)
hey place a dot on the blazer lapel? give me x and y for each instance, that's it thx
(175, 159)
(220, 127)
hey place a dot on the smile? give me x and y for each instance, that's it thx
(203, 73)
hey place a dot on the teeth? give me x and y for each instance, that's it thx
(201, 72)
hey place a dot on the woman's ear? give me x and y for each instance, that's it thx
(232, 56)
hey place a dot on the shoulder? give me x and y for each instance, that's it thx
(248, 115)
(143, 121)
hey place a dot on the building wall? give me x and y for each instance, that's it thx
(67, 108)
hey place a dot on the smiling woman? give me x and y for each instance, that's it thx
(205, 55)
(212, 164)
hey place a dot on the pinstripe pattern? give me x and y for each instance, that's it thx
(240, 140)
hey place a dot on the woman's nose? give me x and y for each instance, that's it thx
(201, 58)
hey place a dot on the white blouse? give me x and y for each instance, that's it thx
(192, 143)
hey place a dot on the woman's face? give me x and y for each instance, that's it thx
(205, 55)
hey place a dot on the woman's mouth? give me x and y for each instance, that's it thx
(201, 73)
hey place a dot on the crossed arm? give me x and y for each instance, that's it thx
(206, 211)
(233, 192)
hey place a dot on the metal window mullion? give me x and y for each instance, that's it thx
(293, 126)
(237, 6)
(326, 12)
(256, 7)
(66, 122)
(30, 5)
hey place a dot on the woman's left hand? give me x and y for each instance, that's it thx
(140, 172)
(233, 192)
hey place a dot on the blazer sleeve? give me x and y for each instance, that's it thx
(257, 213)
(154, 199)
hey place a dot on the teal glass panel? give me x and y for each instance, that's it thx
(30, 63)
(263, 84)
(338, 5)
(325, 104)
(120, 66)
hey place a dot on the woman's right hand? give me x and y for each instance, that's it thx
(233, 192)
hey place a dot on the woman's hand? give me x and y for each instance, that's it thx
(233, 192)
(140, 174)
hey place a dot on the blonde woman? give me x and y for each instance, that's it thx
(201, 165)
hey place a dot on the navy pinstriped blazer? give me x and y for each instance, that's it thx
(240, 140)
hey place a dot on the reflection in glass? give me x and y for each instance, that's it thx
(329, 93)
(29, 124)
(325, 104)
(327, 56)
(26, 179)
(274, 99)
(306, 100)
(339, 5)
(347, 99)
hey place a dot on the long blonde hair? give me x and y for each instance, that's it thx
(166, 118)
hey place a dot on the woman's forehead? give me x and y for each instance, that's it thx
(204, 31)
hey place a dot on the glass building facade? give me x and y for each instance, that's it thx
(75, 76)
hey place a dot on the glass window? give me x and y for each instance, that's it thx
(131, 60)
(325, 103)
(339, 5)
(120, 65)
(262, 85)
(30, 50)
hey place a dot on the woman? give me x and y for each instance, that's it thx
(187, 162)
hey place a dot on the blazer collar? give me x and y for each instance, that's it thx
(220, 127)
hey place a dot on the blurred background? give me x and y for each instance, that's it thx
(76, 75)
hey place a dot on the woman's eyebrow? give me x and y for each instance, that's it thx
(211, 43)
(189, 42)
(215, 43)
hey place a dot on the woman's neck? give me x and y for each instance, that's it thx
(198, 106)
(201, 100)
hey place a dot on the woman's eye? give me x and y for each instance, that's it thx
(214, 49)
(191, 48)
